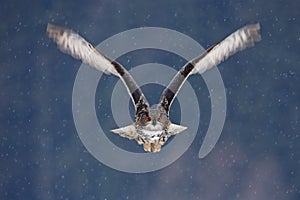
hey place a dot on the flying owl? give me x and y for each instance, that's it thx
(152, 126)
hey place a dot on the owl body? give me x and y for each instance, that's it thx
(152, 129)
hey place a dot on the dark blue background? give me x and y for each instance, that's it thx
(257, 156)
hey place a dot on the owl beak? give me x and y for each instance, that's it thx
(153, 122)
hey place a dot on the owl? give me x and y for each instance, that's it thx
(152, 126)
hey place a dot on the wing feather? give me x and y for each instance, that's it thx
(237, 41)
(73, 44)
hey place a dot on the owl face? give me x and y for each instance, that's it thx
(154, 120)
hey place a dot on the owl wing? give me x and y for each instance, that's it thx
(237, 41)
(73, 44)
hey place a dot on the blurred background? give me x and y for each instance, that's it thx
(257, 156)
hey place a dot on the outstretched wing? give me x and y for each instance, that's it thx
(71, 43)
(237, 41)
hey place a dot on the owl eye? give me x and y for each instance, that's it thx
(160, 119)
(148, 118)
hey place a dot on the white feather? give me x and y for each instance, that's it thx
(237, 41)
(73, 44)
(151, 133)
